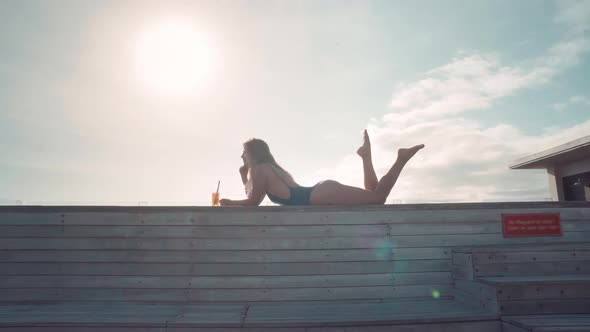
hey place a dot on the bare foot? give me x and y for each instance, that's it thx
(404, 155)
(365, 150)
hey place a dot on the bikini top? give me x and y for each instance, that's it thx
(279, 200)
(297, 195)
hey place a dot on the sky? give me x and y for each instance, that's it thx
(88, 116)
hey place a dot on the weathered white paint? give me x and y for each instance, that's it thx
(576, 167)
(356, 256)
(555, 179)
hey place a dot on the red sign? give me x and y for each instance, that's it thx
(540, 224)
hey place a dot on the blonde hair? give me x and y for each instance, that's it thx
(260, 154)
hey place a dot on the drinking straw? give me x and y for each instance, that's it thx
(217, 192)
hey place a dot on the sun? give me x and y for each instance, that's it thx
(173, 58)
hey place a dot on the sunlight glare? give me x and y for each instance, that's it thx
(173, 59)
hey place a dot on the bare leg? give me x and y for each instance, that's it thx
(388, 180)
(332, 192)
(368, 170)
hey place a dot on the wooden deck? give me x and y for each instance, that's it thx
(406, 268)
(168, 316)
(546, 323)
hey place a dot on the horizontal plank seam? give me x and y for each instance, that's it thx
(246, 225)
(57, 222)
(305, 287)
(437, 260)
(215, 250)
(163, 224)
(213, 275)
(546, 299)
(347, 300)
(327, 236)
(253, 237)
(225, 263)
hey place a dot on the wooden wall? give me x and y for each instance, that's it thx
(251, 255)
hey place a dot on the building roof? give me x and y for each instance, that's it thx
(562, 154)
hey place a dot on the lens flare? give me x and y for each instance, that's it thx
(383, 249)
(435, 294)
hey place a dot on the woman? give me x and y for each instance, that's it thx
(263, 176)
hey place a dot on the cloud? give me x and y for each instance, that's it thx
(574, 100)
(463, 160)
(575, 14)
(468, 83)
(474, 82)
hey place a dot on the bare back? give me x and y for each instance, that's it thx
(276, 185)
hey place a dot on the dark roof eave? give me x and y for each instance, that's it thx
(547, 158)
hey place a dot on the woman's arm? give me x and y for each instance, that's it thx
(257, 193)
(244, 173)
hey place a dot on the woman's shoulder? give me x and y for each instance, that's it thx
(263, 168)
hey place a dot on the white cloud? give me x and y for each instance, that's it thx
(571, 101)
(463, 160)
(575, 14)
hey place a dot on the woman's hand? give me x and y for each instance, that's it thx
(225, 202)
(244, 173)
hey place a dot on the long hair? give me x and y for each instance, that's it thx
(260, 153)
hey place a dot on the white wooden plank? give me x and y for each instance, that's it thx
(462, 259)
(545, 306)
(309, 216)
(183, 231)
(412, 312)
(268, 316)
(477, 289)
(463, 297)
(557, 322)
(93, 328)
(89, 306)
(416, 278)
(452, 240)
(544, 291)
(236, 269)
(175, 328)
(474, 293)
(380, 253)
(530, 256)
(62, 328)
(104, 308)
(193, 244)
(482, 326)
(462, 272)
(536, 279)
(506, 327)
(585, 328)
(313, 310)
(245, 231)
(58, 319)
(280, 244)
(543, 268)
(220, 295)
(518, 247)
(517, 319)
(550, 323)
